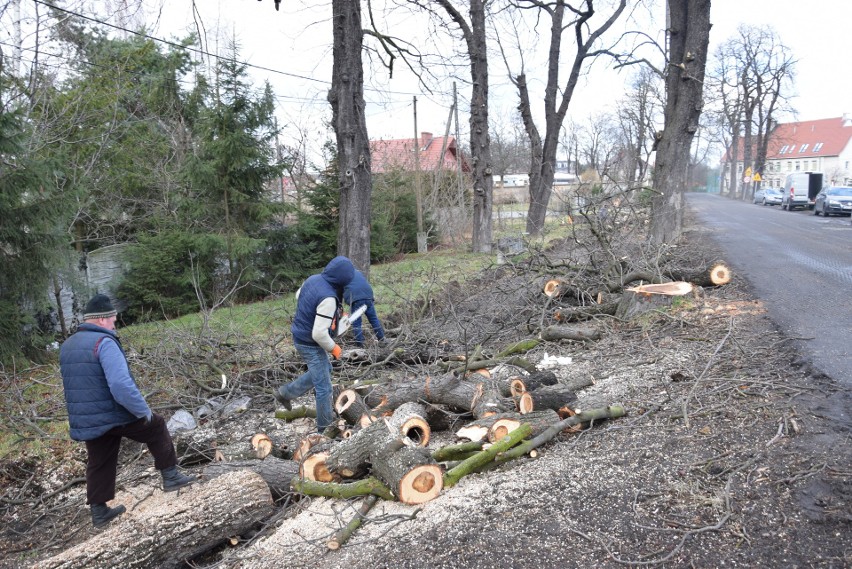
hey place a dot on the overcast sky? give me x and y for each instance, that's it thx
(293, 45)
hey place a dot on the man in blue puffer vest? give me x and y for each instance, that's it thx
(104, 405)
(359, 293)
(319, 307)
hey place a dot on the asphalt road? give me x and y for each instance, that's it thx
(799, 265)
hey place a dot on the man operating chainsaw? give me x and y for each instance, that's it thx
(319, 308)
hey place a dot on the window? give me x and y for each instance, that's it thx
(803, 148)
(813, 165)
(817, 147)
(798, 166)
(789, 166)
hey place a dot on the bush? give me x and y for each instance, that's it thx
(166, 271)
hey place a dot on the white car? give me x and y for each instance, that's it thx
(768, 196)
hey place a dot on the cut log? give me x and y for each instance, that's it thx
(633, 304)
(676, 288)
(475, 394)
(276, 472)
(350, 458)
(555, 287)
(478, 430)
(553, 397)
(195, 447)
(717, 275)
(313, 463)
(538, 420)
(167, 532)
(575, 332)
(524, 403)
(537, 380)
(352, 408)
(409, 421)
(411, 474)
(259, 447)
(306, 443)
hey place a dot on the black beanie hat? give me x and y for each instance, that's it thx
(99, 307)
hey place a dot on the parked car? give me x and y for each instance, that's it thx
(768, 196)
(834, 200)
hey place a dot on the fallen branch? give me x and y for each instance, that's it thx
(343, 534)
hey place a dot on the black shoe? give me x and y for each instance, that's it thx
(103, 514)
(174, 480)
(281, 399)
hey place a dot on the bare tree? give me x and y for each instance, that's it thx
(752, 72)
(639, 112)
(689, 34)
(509, 147)
(474, 34)
(543, 148)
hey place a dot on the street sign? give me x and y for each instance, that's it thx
(748, 172)
(757, 177)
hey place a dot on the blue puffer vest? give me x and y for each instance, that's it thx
(329, 283)
(92, 410)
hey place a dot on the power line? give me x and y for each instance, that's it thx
(208, 54)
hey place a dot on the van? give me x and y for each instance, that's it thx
(800, 190)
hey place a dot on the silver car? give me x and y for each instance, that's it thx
(768, 196)
(833, 200)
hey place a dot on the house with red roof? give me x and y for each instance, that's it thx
(823, 145)
(434, 152)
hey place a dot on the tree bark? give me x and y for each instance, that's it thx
(176, 530)
(350, 127)
(576, 332)
(276, 472)
(480, 143)
(689, 33)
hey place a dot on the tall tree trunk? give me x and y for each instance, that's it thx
(689, 31)
(350, 126)
(480, 141)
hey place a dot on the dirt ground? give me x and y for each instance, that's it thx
(732, 454)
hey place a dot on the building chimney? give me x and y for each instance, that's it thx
(425, 139)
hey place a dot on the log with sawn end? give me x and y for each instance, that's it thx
(167, 533)
(350, 458)
(410, 472)
(276, 472)
(553, 397)
(351, 407)
(538, 420)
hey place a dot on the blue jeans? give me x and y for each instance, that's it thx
(371, 315)
(318, 376)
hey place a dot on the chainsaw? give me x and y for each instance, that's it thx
(346, 321)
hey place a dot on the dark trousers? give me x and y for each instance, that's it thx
(372, 317)
(102, 465)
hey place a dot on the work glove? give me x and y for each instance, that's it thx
(335, 352)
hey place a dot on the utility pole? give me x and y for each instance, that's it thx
(421, 235)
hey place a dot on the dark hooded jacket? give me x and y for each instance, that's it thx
(328, 284)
